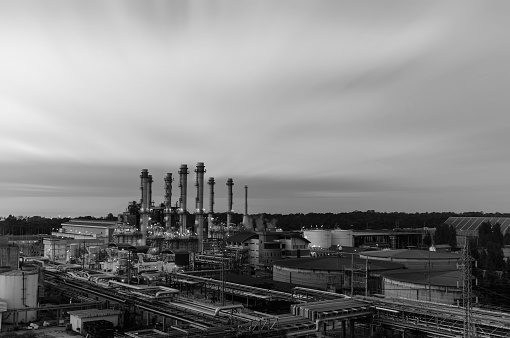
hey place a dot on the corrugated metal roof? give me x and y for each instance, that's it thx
(473, 223)
(3, 306)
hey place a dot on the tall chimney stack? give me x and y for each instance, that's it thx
(183, 184)
(168, 201)
(245, 216)
(200, 170)
(144, 208)
(230, 183)
(211, 184)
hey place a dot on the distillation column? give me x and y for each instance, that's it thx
(183, 185)
(230, 183)
(144, 209)
(199, 183)
(211, 184)
(168, 201)
(245, 216)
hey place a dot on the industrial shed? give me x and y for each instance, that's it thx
(468, 226)
(79, 317)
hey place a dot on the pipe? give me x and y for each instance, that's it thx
(168, 201)
(183, 185)
(200, 204)
(211, 184)
(227, 307)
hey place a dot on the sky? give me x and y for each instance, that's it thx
(317, 106)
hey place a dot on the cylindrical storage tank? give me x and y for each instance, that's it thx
(18, 289)
(341, 238)
(318, 238)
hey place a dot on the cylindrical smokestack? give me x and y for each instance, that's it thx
(211, 184)
(149, 193)
(144, 209)
(199, 183)
(168, 201)
(183, 185)
(246, 200)
(245, 216)
(230, 183)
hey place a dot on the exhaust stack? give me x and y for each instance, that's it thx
(211, 184)
(145, 180)
(199, 183)
(183, 185)
(168, 201)
(230, 183)
(245, 216)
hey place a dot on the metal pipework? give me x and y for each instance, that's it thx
(183, 185)
(199, 183)
(144, 208)
(211, 184)
(168, 201)
(230, 183)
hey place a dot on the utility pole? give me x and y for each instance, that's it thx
(352, 274)
(366, 277)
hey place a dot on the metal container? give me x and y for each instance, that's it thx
(18, 289)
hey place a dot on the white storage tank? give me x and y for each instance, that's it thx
(341, 237)
(18, 288)
(318, 238)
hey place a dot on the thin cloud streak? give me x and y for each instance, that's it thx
(360, 105)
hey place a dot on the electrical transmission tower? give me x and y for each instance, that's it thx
(467, 295)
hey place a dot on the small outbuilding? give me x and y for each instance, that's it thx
(79, 317)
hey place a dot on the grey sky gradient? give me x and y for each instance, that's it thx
(317, 106)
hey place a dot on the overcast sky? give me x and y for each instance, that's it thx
(317, 106)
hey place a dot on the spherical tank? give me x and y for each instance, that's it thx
(318, 238)
(18, 289)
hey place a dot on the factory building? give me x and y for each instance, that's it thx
(468, 226)
(434, 286)
(344, 274)
(416, 259)
(264, 248)
(394, 239)
(87, 229)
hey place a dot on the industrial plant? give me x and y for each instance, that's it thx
(161, 270)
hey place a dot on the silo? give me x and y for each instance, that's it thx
(18, 288)
(318, 238)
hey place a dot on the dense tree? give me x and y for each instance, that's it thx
(427, 240)
(445, 234)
